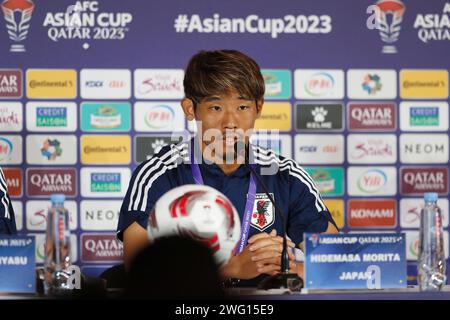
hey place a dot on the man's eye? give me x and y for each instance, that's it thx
(215, 108)
(243, 107)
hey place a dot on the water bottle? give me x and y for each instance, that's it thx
(431, 261)
(57, 248)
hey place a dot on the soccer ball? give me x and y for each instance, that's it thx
(201, 213)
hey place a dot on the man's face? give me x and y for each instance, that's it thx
(223, 120)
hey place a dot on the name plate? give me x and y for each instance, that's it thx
(355, 261)
(17, 264)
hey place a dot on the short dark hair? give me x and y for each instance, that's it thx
(215, 72)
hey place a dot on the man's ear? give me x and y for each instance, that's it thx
(188, 108)
(259, 107)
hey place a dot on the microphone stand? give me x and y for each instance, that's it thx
(284, 279)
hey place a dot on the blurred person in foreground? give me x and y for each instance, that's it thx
(7, 218)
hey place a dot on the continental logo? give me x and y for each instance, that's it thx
(51, 84)
(424, 84)
(104, 149)
(336, 208)
(275, 116)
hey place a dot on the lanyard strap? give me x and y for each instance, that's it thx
(251, 194)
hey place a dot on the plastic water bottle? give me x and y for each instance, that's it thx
(431, 261)
(57, 248)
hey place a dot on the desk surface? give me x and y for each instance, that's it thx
(410, 293)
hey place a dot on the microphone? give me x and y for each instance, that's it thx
(284, 279)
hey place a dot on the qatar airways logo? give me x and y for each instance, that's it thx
(17, 15)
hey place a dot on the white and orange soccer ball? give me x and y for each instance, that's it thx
(201, 213)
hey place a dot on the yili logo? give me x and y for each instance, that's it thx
(51, 117)
(6, 148)
(159, 116)
(319, 84)
(105, 182)
(372, 181)
(424, 116)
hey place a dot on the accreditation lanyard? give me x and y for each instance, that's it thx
(248, 206)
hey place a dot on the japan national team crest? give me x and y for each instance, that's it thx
(263, 215)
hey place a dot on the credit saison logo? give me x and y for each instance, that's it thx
(419, 116)
(85, 21)
(51, 116)
(105, 182)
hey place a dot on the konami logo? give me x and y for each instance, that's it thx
(380, 213)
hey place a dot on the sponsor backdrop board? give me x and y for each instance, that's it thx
(90, 89)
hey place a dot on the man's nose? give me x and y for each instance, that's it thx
(229, 120)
